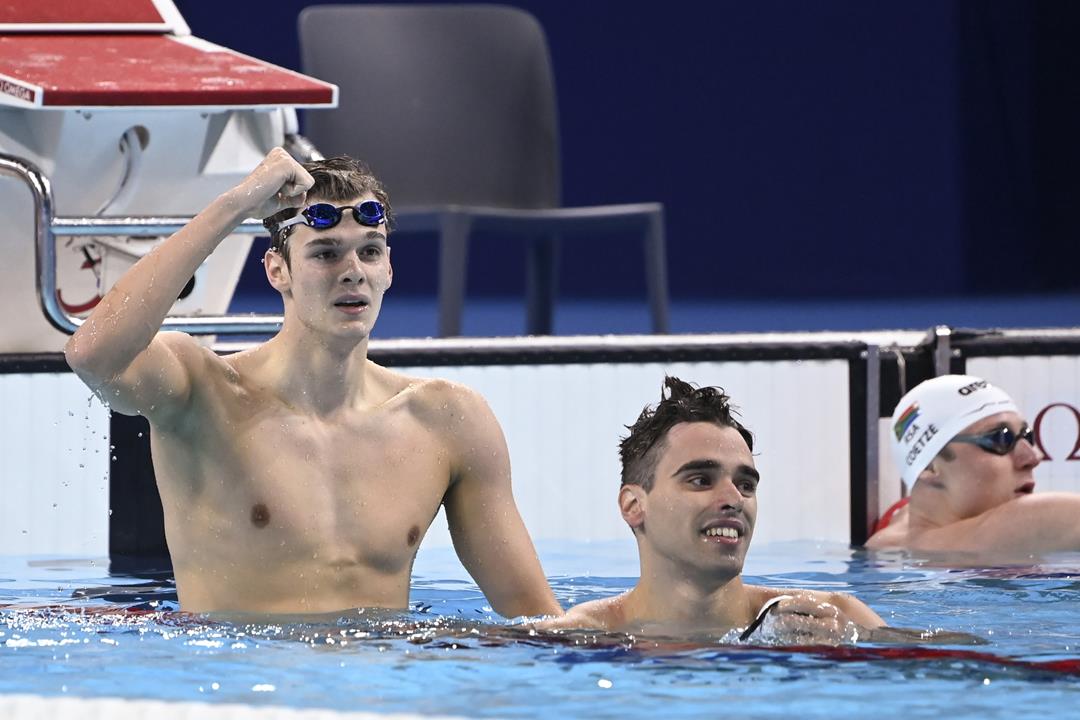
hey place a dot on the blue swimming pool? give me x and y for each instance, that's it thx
(444, 656)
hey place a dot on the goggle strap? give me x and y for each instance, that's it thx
(297, 219)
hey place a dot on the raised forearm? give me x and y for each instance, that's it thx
(131, 312)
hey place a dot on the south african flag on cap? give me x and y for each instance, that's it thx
(905, 420)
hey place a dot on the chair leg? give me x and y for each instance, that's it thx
(541, 285)
(453, 263)
(656, 273)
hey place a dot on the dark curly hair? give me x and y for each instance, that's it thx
(337, 179)
(682, 402)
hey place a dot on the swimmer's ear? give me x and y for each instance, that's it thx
(277, 270)
(389, 269)
(632, 505)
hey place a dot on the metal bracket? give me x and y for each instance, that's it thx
(47, 227)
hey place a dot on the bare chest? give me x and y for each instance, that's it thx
(358, 491)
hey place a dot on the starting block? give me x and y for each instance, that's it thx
(127, 115)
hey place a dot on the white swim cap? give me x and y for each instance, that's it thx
(934, 412)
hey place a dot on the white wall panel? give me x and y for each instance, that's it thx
(54, 487)
(1048, 385)
(563, 424)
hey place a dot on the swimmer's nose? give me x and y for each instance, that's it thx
(728, 495)
(354, 270)
(1026, 455)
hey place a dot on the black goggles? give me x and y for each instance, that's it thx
(999, 441)
(324, 215)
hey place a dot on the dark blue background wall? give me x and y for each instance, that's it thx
(836, 148)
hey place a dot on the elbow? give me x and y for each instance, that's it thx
(84, 361)
(857, 611)
(76, 355)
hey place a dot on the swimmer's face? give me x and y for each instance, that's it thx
(975, 480)
(699, 516)
(336, 277)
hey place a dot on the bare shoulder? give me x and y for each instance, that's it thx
(444, 405)
(894, 536)
(603, 614)
(195, 356)
(441, 394)
(760, 596)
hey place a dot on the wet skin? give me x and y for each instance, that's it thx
(299, 476)
(693, 530)
(979, 507)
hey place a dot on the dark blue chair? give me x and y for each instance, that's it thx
(453, 106)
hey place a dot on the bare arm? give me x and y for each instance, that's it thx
(856, 610)
(604, 614)
(1015, 530)
(808, 617)
(1040, 523)
(118, 351)
(488, 533)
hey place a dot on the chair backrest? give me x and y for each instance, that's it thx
(449, 104)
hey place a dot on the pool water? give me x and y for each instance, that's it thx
(114, 635)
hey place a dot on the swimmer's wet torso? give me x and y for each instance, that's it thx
(273, 509)
(299, 476)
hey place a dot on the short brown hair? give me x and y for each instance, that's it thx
(337, 179)
(683, 402)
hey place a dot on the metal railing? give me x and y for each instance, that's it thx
(47, 227)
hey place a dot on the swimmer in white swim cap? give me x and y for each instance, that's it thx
(963, 447)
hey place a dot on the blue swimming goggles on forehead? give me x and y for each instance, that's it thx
(324, 215)
(999, 441)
